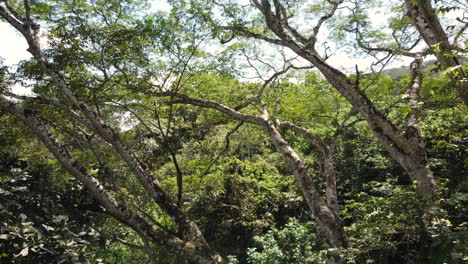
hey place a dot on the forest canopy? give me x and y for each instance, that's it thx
(235, 132)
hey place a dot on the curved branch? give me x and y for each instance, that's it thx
(254, 119)
(313, 38)
(327, 159)
(324, 214)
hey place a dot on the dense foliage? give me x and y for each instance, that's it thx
(145, 140)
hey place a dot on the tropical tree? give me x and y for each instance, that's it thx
(163, 128)
(65, 82)
(279, 23)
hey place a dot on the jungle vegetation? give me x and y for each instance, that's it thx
(223, 132)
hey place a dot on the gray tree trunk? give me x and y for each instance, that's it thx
(427, 23)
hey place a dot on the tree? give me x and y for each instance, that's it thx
(275, 22)
(326, 212)
(188, 241)
(147, 113)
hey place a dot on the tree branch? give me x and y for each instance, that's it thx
(254, 119)
(311, 41)
(327, 159)
(413, 93)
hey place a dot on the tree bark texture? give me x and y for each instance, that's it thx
(427, 23)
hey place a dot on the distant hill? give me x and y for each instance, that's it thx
(399, 72)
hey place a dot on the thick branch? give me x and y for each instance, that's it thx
(254, 119)
(327, 156)
(323, 214)
(401, 148)
(247, 33)
(397, 51)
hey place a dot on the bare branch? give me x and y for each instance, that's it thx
(255, 119)
(397, 51)
(413, 93)
(245, 104)
(272, 78)
(310, 43)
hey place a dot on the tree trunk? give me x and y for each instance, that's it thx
(330, 177)
(325, 216)
(197, 252)
(428, 25)
(407, 149)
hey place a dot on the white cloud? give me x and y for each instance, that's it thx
(160, 5)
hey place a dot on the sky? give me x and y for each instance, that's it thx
(13, 47)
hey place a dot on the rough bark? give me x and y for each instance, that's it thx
(120, 211)
(327, 160)
(406, 148)
(417, 155)
(427, 23)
